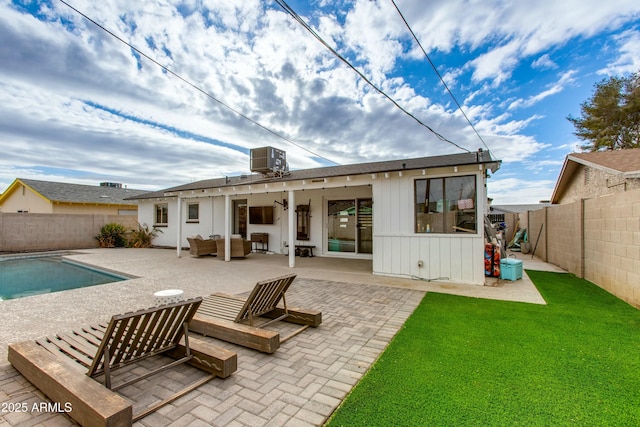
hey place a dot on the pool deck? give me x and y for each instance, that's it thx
(299, 385)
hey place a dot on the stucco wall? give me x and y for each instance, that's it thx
(36, 232)
(23, 199)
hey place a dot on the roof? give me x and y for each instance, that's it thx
(479, 157)
(75, 193)
(518, 208)
(620, 162)
(624, 161)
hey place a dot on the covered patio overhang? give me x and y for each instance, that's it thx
(256, 185)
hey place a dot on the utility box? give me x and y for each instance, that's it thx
(268, 160)
(510, 269)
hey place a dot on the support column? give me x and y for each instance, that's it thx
(179, 227)
(292, 229)
(227, 228)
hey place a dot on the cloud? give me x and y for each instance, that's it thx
(544, 62)
(628, 59)
(514, 191)
(515, 30)
(566, 78)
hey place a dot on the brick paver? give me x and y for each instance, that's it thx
(300, 385)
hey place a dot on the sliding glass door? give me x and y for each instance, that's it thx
(350, 226)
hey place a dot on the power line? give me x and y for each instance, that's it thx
(193, 85)
(283, 4)
(438, 74)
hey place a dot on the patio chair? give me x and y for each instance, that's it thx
(199, 246)
(240, 247)
(66, 367)
(242, 321)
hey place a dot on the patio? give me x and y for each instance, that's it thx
(301, 384)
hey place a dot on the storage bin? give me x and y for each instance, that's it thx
(510, 269)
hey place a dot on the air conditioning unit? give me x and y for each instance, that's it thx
(268, 160)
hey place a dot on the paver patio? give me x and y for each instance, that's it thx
(300, 385)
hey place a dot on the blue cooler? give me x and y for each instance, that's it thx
(510, 269)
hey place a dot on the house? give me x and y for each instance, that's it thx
(589, 175)
(34, 196)
(420, 218)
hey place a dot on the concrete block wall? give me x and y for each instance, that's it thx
(536, 220)
(612, 244)
(597, 239)
(37, 232)
(564, 236)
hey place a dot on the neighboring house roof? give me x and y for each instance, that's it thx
(622, 162)
(61, 192)
(518, 208)
(479, 157)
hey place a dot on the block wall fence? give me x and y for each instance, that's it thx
(20, 232)
(596, 239)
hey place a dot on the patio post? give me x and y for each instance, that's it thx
(179, 227)
(227, 228)
(292, 228)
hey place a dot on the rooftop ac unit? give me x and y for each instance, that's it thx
(268, 160)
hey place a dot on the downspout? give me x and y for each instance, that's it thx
(179, 227)
(292, 229)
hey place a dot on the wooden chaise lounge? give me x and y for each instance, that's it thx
(242, 320)
(67, 367)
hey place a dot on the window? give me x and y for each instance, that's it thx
(193, 212)
(162, 214)
(446, 205)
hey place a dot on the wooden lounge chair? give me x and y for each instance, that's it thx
(242, 320)
(65, 367)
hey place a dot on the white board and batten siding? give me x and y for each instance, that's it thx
(399, 251)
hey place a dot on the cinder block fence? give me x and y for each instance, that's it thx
(597, 239)
(21, 232)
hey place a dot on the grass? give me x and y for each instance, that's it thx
(474, 362)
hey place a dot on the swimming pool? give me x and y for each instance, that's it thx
(33, 275)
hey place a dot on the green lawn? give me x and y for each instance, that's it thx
(466, 361)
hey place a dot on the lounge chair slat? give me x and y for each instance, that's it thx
(52, 348)
(136, 342)
(79, 343)
(159, 329)
(121, 353)
(67, 349)
(145, 334)
(93, 335)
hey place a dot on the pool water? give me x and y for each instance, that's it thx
(21, 277)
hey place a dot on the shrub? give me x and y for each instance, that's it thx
(142, 236)
(112, 235)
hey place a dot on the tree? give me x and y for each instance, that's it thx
(610, 119)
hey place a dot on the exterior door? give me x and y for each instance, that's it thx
(364, 225)
(349, 226)
(240, 217)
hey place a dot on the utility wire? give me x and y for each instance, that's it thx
(283, 4)
(438, 74)
(193, 85)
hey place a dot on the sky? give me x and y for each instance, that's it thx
(168, 93)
